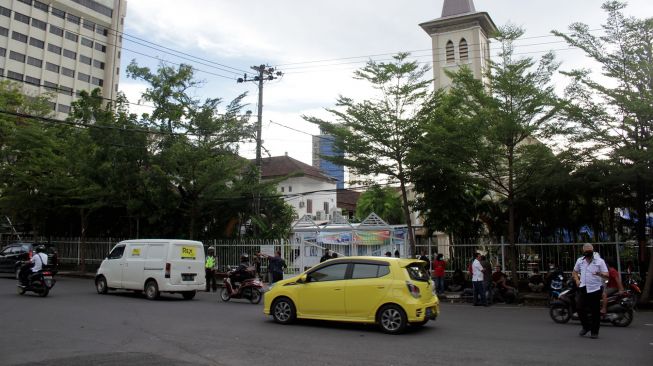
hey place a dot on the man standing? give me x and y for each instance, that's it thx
(209, 270)
(326, 256)
(477, 281)
(276, 266)
(439, 266)
(589, 273)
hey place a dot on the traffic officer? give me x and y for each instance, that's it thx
(209, 268)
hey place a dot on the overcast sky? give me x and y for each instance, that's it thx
(231, 36)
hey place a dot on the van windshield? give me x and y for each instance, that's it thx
(417, 271)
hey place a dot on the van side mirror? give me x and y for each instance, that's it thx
(303, 279)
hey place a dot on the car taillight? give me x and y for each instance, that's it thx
(47, 274)
(414, 290)
(167, 270)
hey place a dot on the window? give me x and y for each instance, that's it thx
(100, 47)
(63, 108)
(50, 85)
(83, 77)
(36, 43)
(19, 36)
(94, 5)
(70, 54)
(56, 30)
(101, 30)
(289, 188)
(334, 272)
(85, 59)
(116, 253)
(282, 189)
(4, 31)
(3, 52)
(28, 2)
(72, 37)
(97, 81)
(326, 207)
(2, 72)
(33, 81)
(54, 49)
(21, 17)
(98, 64)
(52, 67)
(58, 13)
(451, 57)
(87, 42)
(53, 105)
(34, 62)
(89, 25)
(418, 272)
(14, 75)
(39, 24)
(65, 90)
(363, 270)
(73, 18)
(67, 72)
(17, 56)
(41, 6)
(309, 206)
(4, 11)
(464, 52)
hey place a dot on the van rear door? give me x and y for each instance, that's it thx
(186, 263)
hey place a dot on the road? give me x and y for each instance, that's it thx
(76, 326)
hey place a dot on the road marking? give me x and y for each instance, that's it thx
(649, 325)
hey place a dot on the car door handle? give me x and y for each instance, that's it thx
(337, 289)
(381, 287)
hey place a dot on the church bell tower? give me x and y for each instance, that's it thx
(460, 37)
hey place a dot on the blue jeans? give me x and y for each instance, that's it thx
(479, 293)
(439, 285)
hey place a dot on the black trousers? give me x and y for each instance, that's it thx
(210, 280)
(589, 309)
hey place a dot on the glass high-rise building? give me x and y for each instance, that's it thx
(323, 146)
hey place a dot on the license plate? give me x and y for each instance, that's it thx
(429, 312)
(188, 276)
(48, 278)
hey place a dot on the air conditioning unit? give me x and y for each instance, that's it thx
(302, 204)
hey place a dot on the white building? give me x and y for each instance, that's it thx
(64, 46)
(307, 189)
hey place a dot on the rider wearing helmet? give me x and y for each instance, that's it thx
(243, 271)
(35, 264)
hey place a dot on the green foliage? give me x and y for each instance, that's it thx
(384, 201)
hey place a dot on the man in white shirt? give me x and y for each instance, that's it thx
(36, 263)
(477, 281)
(589, 274)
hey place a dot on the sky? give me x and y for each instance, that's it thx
(318, 45)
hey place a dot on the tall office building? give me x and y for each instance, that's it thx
(323, 146)
(63, 46)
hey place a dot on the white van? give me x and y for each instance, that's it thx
(153, 266)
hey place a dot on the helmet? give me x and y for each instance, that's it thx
(211, 250)
(40, 249)
(244, 257)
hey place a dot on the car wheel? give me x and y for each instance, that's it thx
(224, 294)
(283, 311)
(151, 290)
(392, 319)
(188, 295)
(560, 313)
(101, 285)
(255, 297)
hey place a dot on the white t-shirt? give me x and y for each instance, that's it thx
(477, 270)
(39, 260)
(586, 272)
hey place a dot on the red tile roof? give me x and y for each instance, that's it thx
(281, 166)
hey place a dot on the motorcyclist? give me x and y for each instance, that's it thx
(35, 264)
(243, 272)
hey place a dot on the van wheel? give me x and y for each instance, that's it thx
(283, 311)
(392, 319)
(224, 294)
(151, 290)
(255, 298)
(101, 285)
(188, 295)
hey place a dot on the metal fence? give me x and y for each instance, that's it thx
(300, 254)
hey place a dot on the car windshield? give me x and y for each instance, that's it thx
(417, 271)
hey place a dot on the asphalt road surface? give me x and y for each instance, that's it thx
(76, 326)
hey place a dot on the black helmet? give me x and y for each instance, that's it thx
(244, 257)
(40, 248)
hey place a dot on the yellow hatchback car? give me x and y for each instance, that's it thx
(391, 292)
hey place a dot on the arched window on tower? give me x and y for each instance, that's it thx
(451, 55)
(464, 52)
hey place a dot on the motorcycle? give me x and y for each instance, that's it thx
(40, 283)
(620, 308)
(556, 287)
(250, 289)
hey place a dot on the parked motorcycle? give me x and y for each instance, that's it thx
(620, 308)
(556, 286)
(40, 283)
(250, 289)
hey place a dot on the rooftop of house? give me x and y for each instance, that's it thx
(282, 166)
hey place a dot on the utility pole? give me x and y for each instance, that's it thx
(263, 73)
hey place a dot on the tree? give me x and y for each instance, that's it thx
(617, 115)
(376, 135)
(385, 202)
(505, 115)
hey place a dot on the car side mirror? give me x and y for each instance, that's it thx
(302, 279)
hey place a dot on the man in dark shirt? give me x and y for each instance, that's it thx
(326, 256)
(276, 265)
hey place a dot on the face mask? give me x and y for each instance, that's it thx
(589, 254)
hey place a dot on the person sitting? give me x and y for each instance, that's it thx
(38, 261)
(613, 286)
(504, 292)
(535, 281)
(457, 281)
(326, 256)
(554, 274)
(243, 272)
